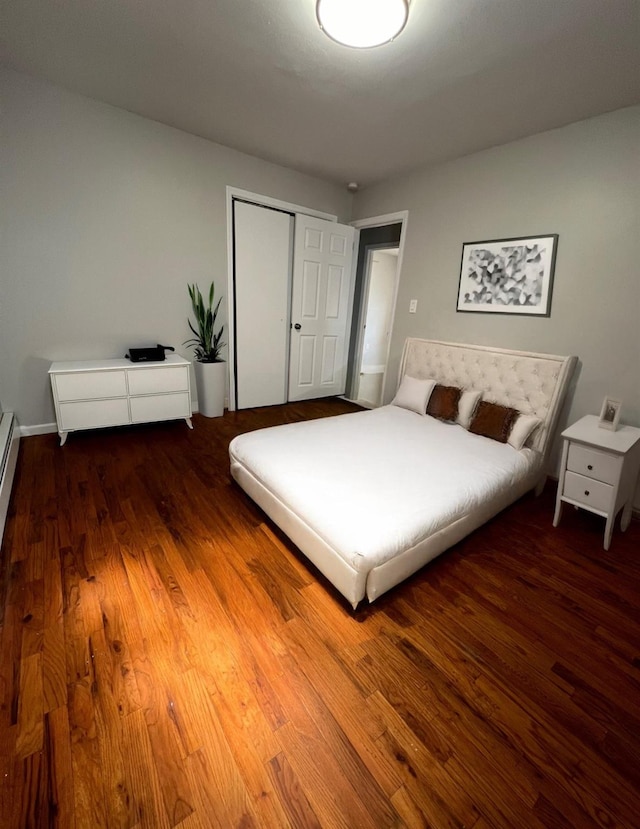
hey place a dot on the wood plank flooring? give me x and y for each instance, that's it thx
(168, 659)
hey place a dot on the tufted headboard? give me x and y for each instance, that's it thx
(532, 383)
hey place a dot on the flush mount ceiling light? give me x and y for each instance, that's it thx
(362, 23)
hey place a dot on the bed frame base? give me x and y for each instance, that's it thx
(348, 581)
(355, 585)
(532, 383)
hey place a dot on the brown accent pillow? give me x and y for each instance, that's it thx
(443, 402)
(493, 421)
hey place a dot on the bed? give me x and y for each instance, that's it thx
(371, 497)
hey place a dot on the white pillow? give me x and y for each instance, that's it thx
(467, 406)
(522, 430)
(413, 394)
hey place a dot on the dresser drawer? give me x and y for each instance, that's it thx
(160, 407)
(593, 463)
(92, 414)
(593, 494)
(89, 385)
(157, 380)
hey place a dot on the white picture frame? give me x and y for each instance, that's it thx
(610, 413)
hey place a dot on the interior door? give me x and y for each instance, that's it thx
(262, 268)
(321, 305)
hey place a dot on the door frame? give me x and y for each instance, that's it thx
(260, 201)
(400, 217)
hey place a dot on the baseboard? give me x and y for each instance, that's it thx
(38, 429)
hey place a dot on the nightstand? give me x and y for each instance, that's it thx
(599, 471)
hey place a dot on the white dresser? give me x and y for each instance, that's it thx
(92, 394)
(599, 471)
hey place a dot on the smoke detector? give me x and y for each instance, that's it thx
(353, 186)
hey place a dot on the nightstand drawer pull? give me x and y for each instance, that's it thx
(586, 492)
(593, 463)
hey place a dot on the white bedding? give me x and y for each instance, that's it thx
(376, 483)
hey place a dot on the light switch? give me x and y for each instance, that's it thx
(413, 306)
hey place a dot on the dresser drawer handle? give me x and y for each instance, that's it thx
(590, 467)
(586, 492)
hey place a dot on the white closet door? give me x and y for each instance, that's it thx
(263, 240)
(320, 308)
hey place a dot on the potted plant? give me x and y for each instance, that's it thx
(210, 368)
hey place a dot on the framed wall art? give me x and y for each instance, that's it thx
(508, 276)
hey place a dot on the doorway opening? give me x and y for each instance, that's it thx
(381, 273)
(376, 287)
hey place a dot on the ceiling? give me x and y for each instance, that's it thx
(259, 75)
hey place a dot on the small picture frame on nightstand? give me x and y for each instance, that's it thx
(610, 414)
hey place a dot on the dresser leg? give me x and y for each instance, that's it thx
(187, 420)
(63, 437)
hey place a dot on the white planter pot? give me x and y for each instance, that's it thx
(211, 383)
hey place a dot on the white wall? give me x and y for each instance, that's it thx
(105, 217)
(582, 182)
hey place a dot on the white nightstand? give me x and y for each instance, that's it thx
(599, 471)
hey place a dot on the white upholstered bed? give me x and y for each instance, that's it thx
(371, 497)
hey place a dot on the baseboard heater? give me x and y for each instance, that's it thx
(9, 441)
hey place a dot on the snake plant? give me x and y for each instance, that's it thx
(207, 343)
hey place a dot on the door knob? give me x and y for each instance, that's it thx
(297, 326)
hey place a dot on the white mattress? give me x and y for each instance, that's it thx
(374, 484)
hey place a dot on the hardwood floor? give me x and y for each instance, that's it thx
(167, 658)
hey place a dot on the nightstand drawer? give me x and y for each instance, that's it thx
(593, 494)
(593, 463)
